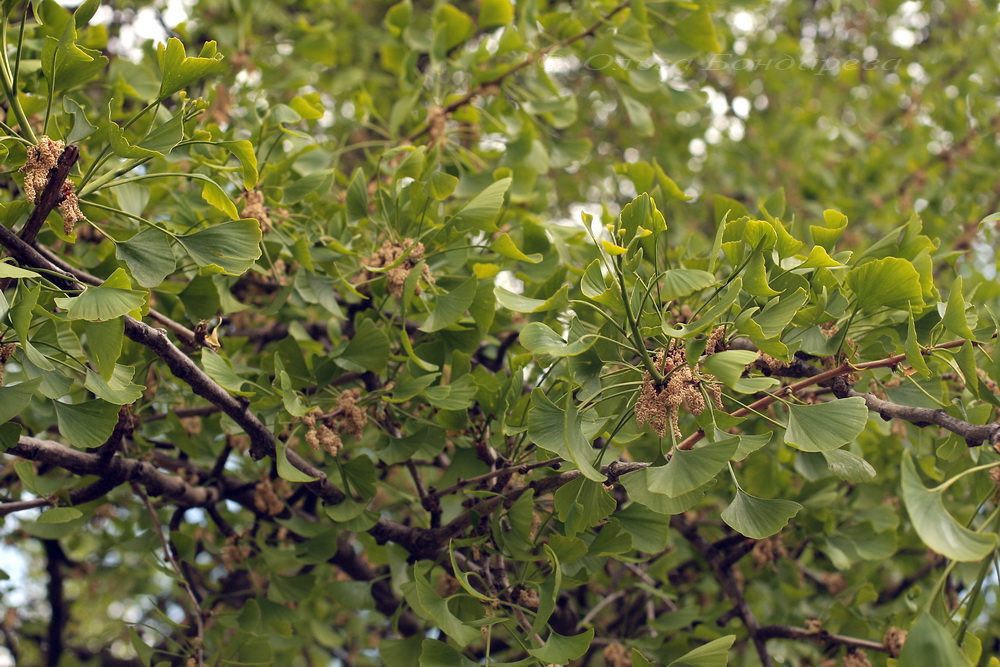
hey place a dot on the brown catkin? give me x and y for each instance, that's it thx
(895, 639)
(857, 659)
(388, 255)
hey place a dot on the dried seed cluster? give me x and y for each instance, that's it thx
(857, 658)
(326, 431)
(236, 550)
(660, 406)
(437, 125)
(768, 551)
(254, 207)
(266, 499)
(616, 655)
(895, 639)
(389, 254)
(41, 158)
(6, 352)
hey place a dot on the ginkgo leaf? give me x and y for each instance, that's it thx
(689, 469)
(483, 209)
(935, 526)
(758, 517)
(824, 426)
(559, 430)
(888, 282)
(228, 247)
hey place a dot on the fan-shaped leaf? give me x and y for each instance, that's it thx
(935, 526)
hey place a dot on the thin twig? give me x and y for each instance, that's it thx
(199, 651)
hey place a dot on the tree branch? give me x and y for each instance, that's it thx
(47, 200)
(820, 379)
(530, 59)
(820, 637)
(975, 434)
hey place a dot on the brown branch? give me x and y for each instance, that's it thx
(820, 637)
(183, 413)
(530, 59)
(168, 553)
(819, 379)
(116, 471)
(47, 200)
(975, 434)
(730, 586)
(54, 559)
(185, 335)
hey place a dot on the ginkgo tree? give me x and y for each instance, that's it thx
(459, 333)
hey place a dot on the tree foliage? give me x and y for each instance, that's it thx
(500, 333)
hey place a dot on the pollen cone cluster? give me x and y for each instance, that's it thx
(396, 277)
(659, 406)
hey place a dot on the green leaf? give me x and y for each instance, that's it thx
(357, 197)
(930, 643)
(689, 469)
(455, 396)
(581, 504)
(118, 389)
(935, 526)
(87, 424)
(637, 484)
(148, 257)
(462, 577)
(648, 528)
(755, 277)
(228, 247)
(243, 150)
(889, 282)
(16, 397)
(848, 466)
(10, 434)
(825, 426)
(453, 26)
(483, 209)
(505, 247)
(214, 195)
(166, 136)
(638, 116)
(82, 128)
(368, 349)
(954, 319)
(696, 30)
(121, 147)
(434, 653)
(437, 610)
(758, 517)
(449, 307)
(779, 312)
(523, 304)
(441, 185)
(286, 470)
(493, 13)
(914, 356)
(679, 283)
(220, 369)
(180, 71)
(104, 344)
(559, 650)
(728, 366)
(85, 12)
(539, 339)
(59, 515)
(104, 302)
(713, 654)
(558, 429)
(10, 270)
